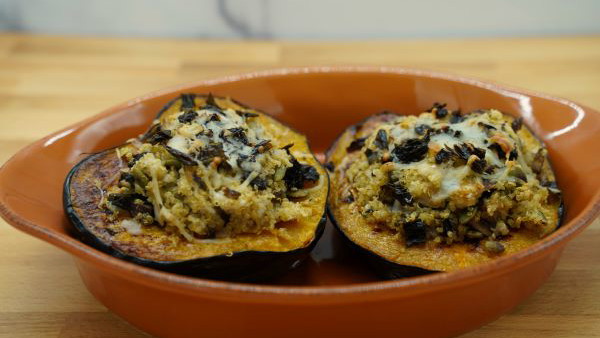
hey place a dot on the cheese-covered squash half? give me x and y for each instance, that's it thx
(212, 189)
(441, 191)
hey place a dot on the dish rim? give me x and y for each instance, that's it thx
(165, 280)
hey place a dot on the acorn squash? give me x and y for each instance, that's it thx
(213, 189)
(441, 191)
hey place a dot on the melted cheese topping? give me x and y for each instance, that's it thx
(132, 226)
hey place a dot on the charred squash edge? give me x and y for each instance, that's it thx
(244, 266)
(381, 266)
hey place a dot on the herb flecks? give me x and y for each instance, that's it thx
(181, 156)
(439, 109)
(456, 117)
(187, 117)
(207, 154)
(415, 233)
(132, 202)
(299, 175)
(443, 156)
(411, 150)
(422, 129)
(157, 135)
(356, 144)
(381, 139)
(187, 101)
(395, 191)
(517, 124)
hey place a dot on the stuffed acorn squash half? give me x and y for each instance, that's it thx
(441, 191)
(213, 189)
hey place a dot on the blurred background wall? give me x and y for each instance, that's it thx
(302, 19)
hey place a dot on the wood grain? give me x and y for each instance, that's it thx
(48, 82)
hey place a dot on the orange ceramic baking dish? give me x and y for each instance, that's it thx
(332, 293)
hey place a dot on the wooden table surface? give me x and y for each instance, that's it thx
(47, 83)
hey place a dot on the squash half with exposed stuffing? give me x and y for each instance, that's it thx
(441, 191)
(213, 189)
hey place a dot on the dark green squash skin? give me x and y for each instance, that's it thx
(244, 266)
(381, 266)
(384, 268)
